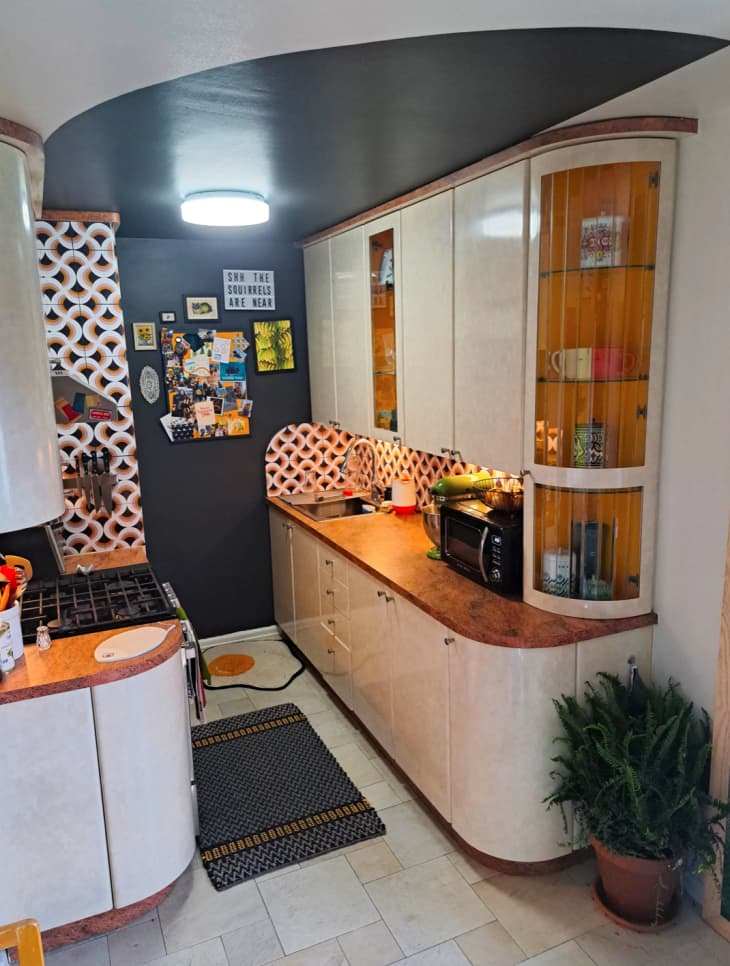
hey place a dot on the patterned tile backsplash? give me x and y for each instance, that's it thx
(85, 331)
(308, 456)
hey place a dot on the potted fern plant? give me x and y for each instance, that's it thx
(634, 765)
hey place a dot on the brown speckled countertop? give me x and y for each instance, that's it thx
(393, 549)
(70, 664)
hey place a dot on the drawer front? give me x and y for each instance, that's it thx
(337, 666)
(332, 566)
(335, 599)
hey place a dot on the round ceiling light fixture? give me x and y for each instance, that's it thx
(225, 208)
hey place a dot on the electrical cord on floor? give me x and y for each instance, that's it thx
(255, 687)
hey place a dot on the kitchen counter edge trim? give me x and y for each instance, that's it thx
(575, 629)
(98, 673)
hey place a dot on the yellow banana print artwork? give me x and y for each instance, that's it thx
(274, 346)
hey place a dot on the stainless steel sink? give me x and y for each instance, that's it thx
(329, 505)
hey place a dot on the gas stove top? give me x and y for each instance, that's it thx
(100, 601)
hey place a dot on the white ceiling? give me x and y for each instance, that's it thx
(58, 59)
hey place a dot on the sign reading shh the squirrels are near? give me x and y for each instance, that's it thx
(248, 289)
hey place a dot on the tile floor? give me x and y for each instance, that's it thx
(405, 898)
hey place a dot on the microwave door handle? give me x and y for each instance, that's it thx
(482, 542)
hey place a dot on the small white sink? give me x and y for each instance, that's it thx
(129, 644)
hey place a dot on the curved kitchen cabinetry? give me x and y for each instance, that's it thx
(96, 777)
(469, 723)
(599, 266)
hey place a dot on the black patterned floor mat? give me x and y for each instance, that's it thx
(270, 793)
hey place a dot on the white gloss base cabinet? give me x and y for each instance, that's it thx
(96, 797)
(471, 724)
(54, 864)
(280, 533)
(143, 746)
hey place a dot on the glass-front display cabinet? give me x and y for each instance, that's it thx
(382, 242)
(599, 257)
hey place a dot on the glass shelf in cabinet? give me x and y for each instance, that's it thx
(596, 268)
(385, 372)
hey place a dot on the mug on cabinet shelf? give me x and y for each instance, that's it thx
(613, 362)
(573, 364)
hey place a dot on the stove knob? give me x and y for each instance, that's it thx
(495, 575)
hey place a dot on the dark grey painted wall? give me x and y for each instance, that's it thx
(204, 502)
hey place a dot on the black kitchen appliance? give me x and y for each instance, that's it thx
(99, 601)
(483, 544)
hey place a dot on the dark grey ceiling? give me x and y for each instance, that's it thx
(328, 133)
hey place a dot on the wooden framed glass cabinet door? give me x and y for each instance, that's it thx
(382, 256)
(600, 227)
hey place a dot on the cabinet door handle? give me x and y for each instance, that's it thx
(330, 650)
(388, 598)
(329, 591)
(334, 424)
(456, 453)
(449, 640)
(328, 563)
(397, 440)
(330, 621)
(445, 451)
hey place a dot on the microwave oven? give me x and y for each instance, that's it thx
(483, 544)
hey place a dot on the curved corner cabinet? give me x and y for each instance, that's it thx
(471, 724)
(600, 232)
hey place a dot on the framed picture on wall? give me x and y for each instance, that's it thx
(167, 317)
(144, 335)
(274, 346)
(201, 308)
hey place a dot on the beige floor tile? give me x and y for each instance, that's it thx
(370, 946)
(305, 697)
(317, 903)
(446, 954)
(137, 943)
(540, 911)
(277, 872)
(472, 870)
(240, 704)
(381, 795)
(367, 746)
(194, 911)
(690, 941)
(213, 712)
(210, 953)
(567, 954)
(490, 945)
(94, 952)
(360, 769)
(412, 835)
(427, 904)
(252, 945)
(323, 954)
(399, 787)
(333, 728)
(374, 862)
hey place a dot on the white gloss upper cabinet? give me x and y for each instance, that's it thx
(386, 419)
(320, 332)
(280, 530)
(349, 312)
(490, 263)
(427, 386)
(420, 669)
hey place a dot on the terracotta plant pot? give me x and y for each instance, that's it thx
(640, 893)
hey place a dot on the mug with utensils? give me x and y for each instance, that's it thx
(573, 364)
(613, 362)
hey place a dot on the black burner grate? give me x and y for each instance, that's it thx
(99, 601)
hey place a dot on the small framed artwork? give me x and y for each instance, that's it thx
(144, 335)
(201, 308)
(274, 346)
(167, 317)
